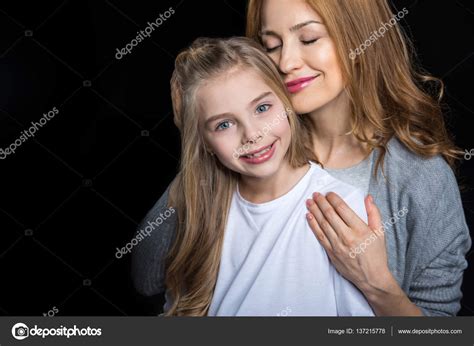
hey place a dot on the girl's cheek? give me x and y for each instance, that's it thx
(224, 148)
(282, 129)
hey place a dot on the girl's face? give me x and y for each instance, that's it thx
(244, 123)
(298, 42)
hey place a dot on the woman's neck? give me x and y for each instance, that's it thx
(266, 189)
(333, 145)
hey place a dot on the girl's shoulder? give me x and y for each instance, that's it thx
(323, 182)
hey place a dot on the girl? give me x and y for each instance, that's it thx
(242, 245)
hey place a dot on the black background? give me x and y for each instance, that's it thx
(77, 190)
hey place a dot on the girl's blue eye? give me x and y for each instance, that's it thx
(263, 108)
(223, 125)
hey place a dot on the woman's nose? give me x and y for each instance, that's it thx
(290, 60)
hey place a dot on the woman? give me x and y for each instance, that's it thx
(374, 127)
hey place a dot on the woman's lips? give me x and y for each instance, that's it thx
(260, 157)
(298, 84)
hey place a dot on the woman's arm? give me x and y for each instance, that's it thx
(442, 237)
(158, 230)
(438, 241)
(340, 231)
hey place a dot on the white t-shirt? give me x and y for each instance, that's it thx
(273, 265)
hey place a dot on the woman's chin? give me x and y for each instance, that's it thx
(302, 105)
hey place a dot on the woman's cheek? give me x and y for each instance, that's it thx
(326, 61)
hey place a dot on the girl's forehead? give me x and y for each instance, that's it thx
(235, 93)
(236, 81)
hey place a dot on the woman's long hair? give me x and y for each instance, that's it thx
(203, 188)
(387, 92)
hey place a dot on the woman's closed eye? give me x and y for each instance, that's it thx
(272, 49)
(305, 42)
(308, 42)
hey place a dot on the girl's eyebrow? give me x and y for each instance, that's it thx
(261, 96)
(293, 28)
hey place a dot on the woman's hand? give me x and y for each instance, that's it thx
(357, 250)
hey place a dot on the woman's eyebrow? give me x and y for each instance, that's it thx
(293, 28)
(300, 25)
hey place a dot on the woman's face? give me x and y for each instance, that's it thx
(244, 123)
(298, 42)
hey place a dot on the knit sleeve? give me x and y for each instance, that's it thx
(437, 289)
(441, 240)
(158, 230)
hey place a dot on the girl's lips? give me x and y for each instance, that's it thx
(298, 84)
(262, 158)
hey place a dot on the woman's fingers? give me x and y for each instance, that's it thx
(350, 218)
(373, 215)
(332, 217)
(323, 223)
(318, 232)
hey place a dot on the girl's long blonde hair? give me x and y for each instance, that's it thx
(203, 188)
(387, 92)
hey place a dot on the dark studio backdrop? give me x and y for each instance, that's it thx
(76, 190)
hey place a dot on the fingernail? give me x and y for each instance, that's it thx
(371, 200)
(309, 202)
(315, 195)
(309, 216)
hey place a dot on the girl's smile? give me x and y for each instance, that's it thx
(260, 155)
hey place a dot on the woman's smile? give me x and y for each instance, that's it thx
(299, 84)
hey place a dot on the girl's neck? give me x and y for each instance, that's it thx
(262, 190)
(334, 147)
